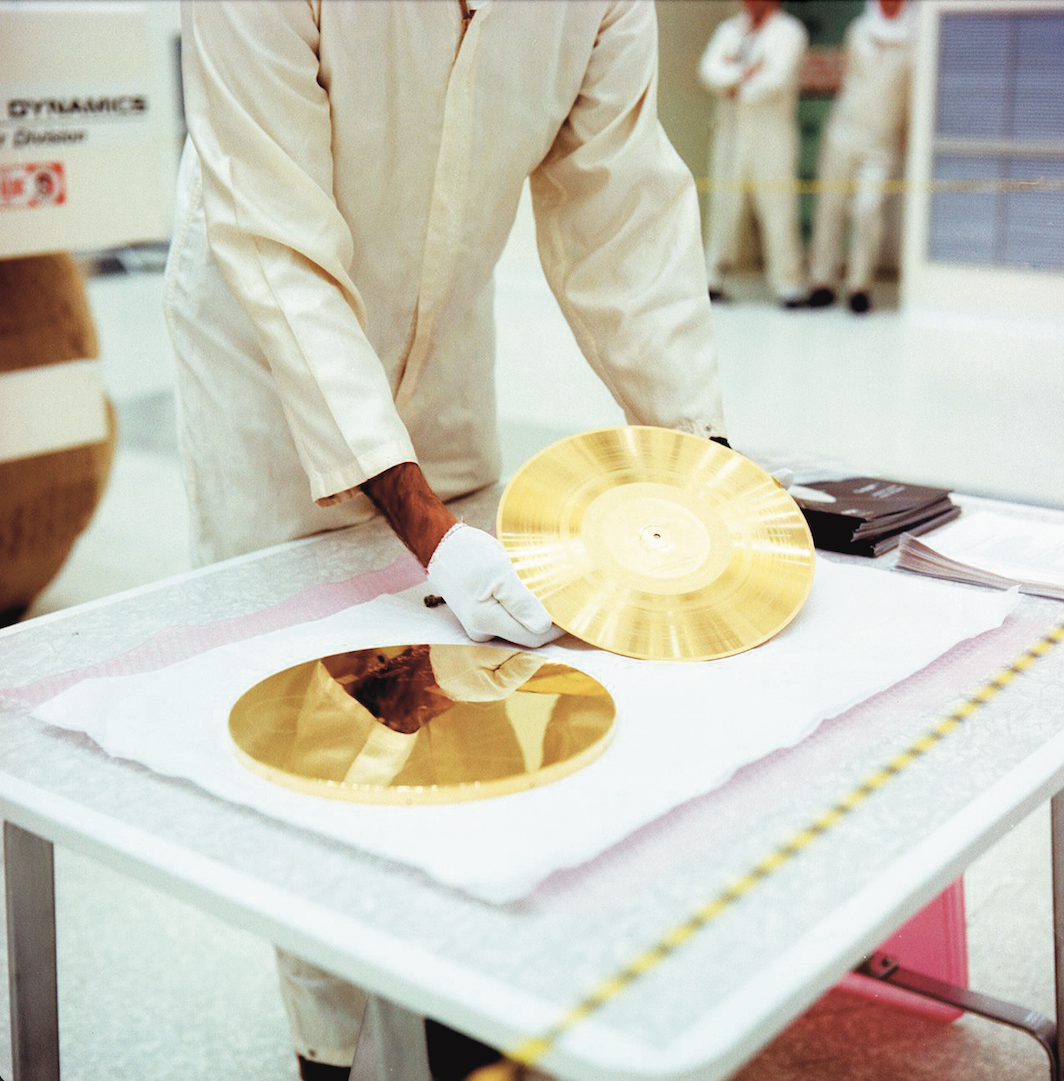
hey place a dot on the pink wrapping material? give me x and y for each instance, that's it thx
(180, 642)
(935, 943)
(932, 942)
(693, 831)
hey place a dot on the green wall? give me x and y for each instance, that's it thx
(826, 21)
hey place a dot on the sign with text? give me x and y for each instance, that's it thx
(87, 126)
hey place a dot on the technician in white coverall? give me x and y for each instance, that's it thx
(353, 173)
(861, 147)
(752, 65)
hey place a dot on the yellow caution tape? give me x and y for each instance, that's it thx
(534, 1048)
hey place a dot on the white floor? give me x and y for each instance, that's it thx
(152, 989)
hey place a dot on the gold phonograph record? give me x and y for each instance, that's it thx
(656, 544)
(422, 724)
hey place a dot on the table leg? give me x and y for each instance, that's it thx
(30, 890)
(391, 1044)
(1056, 817)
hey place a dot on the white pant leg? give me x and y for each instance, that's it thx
(726, 199)
(324, 1012)
(725, 214)
(866, 223)
(775, 179)
(392, 1046)
(829, 215)
(777, 218)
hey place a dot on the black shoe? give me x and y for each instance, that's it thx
(859, 303)
(792, 303)
(719, 296)
(821, 297)
(309, 1070)
(454, 1056)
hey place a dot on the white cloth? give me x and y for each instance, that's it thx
(755, 142)
(861, 144)
(876, 627)
(330, 283)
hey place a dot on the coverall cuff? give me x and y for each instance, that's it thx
(337, 485)
(707, 429)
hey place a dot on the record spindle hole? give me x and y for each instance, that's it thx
(655, 538)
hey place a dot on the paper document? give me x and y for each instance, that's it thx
(987, 548)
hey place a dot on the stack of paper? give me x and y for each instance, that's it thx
(867, 515)
(992, 549)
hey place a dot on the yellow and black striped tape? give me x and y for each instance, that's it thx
(531, 1050)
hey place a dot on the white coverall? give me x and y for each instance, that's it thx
(755, 144)
(353, 176)
(353, 173)
(861, 146)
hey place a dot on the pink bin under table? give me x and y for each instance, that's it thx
(935, 943)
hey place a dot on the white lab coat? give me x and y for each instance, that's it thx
(860, 147)
(755, 143)
(353, 173)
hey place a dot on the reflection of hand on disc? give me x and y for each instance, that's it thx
(481, 673)
(409, 724)
(401, 692)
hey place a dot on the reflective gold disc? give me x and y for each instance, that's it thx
(656, 544)
(422, 724)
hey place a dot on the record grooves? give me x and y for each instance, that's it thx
(656, 544)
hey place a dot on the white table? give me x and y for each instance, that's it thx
(502, 973)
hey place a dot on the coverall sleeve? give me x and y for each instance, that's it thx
(260, 122)
(720, 68)
(617, 226)
(780, 65)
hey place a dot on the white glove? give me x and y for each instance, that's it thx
(783, 477)
(472, 572)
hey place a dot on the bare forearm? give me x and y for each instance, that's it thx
(411, 508)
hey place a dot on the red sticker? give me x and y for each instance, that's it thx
(23, 187)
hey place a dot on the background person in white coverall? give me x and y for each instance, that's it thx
(752, 65)
(861, 148)
(352, 175)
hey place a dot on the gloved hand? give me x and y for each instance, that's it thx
(472, 572)
(783, 477)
